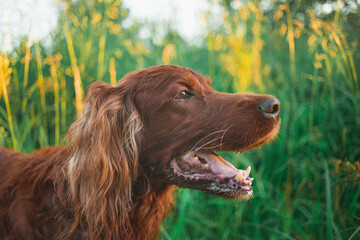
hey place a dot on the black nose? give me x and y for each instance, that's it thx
(270, 107)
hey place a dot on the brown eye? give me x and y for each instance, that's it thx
(183, 95)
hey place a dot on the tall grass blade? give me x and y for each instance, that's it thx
(79, 93)
(5, 72)
(355, 233)
(328, 201)
(112, 71)
(41, 85)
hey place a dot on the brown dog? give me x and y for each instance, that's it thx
(156, 129)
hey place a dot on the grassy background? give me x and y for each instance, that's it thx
(306, 182)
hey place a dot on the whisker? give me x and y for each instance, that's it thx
(204, 138)
(197, 149)
(211, 147)
(222, 138)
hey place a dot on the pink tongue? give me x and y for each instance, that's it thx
(218, 165)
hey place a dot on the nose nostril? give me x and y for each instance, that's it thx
(270, 107)
(275, 108)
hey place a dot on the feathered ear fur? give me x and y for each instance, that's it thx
(103, 168)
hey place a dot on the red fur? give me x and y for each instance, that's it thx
(113, 180)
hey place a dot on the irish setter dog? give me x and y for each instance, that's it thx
(158, 128)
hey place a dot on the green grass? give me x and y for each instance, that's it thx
(306, 181)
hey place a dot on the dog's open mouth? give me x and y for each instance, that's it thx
(212, 173)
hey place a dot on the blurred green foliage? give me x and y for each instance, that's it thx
(306, 183)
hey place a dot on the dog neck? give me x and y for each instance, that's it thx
(149, 210)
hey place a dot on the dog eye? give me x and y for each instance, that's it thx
(183, 95)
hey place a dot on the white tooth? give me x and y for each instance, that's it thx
(197, 178)
(248, 170)
(196, 159)
(239, 176)
(206, 166)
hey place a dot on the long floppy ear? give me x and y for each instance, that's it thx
(105, 145)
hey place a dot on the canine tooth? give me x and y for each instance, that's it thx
(248, 170)
(197, 178)
(206, 165)
(196, 159)
(239, 176)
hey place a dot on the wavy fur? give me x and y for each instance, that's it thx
(104, 165)
(114, 180)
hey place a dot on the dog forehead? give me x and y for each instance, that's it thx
(167, 78)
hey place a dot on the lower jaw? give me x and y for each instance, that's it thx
(224, 192)
(227, 192)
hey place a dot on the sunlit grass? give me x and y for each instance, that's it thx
(306, 182)
(5, 72)
(79, 92)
